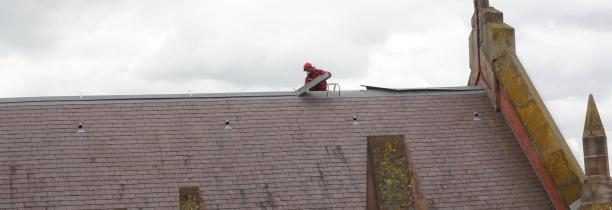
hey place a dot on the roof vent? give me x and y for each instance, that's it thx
(80, 128)
(227, 125)
(476, 116)
(355, 120)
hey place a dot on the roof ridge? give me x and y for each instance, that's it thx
(236, 95)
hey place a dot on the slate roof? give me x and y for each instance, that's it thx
(281, 152)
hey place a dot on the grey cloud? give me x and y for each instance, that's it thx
(244, 62)
(34, 27)
(268, 45)
(24, 26)
(244, 43)
(598, 20)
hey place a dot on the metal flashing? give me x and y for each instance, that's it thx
(432, 89)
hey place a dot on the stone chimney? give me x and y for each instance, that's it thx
(597, 189)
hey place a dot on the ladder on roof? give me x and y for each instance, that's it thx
(335, 85)
(311, 84)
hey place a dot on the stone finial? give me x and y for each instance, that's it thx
(597, 189)
(595, 144)
(592, 123)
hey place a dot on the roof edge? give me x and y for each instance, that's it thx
(237, 95)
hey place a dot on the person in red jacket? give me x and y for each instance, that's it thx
(312, 73)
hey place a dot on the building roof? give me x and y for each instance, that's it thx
(278, 151)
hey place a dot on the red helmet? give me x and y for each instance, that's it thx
(308, 66)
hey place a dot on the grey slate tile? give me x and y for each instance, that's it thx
(283, 152)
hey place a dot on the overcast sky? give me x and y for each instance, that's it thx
(145, 47)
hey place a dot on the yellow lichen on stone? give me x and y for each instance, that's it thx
(570, 189)
(190, 199)
(394, 187)
(596, 206)
(502, 34)
(540, 130)
(511, 82)
(547, 144)
(533, 118)
(493, 57)
(557, 162)
(592, 124)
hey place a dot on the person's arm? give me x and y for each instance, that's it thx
(309, 78)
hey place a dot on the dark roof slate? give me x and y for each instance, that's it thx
(281, 152)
